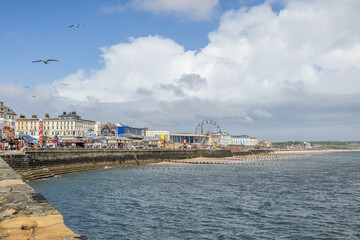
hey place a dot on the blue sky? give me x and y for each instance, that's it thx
(32, 30)
(268, 69)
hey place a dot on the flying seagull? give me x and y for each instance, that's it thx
(26, 87)
(76, 25)
(65, 84)
(45, 61)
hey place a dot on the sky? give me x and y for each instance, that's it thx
(277, 70)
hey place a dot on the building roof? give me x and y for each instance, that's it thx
(108, 126)
(6, 110)
(187, 134)
(70, 115)
(241, 136)
(148, 139)
(108, 138)
(131, 136)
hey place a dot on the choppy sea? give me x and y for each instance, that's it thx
(316, 197)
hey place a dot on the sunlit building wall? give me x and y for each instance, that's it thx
(7, 116)
(63, 126)
(244, 140)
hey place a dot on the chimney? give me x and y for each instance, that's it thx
(34, 116)
(1, 104)
(47, 115)
(22, 116)
(64, 113)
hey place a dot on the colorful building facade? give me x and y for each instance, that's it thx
(51, 127)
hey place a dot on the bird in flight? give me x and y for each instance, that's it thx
(65, 84)
(45, 61)
(26, 87)
(33, 96)
(76, 25)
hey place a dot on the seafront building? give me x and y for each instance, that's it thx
(225, 139)
(244, 140)
(124, 129)
(188, 138)
(65, 125)
(7, 116)
(116, 129)
(265, 144)
(108, 129)
(70, 126)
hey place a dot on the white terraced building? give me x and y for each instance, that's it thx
(244, 140)
(66, 125)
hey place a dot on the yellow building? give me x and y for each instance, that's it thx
(21, 125)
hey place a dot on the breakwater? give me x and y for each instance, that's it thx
(34, 164)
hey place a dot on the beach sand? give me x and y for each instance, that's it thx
(251, 157)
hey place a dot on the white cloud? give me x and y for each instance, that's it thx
(195, 9)
(254, 53)
(254, 60)
(143, 64)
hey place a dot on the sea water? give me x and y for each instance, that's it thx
(316, 197)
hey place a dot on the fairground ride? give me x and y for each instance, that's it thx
(212, 132)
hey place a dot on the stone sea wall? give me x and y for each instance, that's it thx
(25, 213)
(35, 164)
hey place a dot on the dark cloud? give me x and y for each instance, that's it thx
(174, 89)
(192, 81)
(186, 82)
(294, 88)
(144, 92)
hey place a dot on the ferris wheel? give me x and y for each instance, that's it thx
(211, 130)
